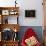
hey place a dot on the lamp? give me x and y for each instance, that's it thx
(15, 3)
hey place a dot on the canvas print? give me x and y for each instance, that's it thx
(30, 13)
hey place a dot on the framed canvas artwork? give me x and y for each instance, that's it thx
(30, 13)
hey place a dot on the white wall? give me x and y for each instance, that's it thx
(31, 4)
(27, 4)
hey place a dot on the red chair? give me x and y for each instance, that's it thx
(29, 33)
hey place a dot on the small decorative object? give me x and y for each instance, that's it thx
(15, 35)
(6, 21)
(15, 3)
(15, 30)
(16, 13)
(7, 34)
(5, 12)
(13, 12)
(29, 13)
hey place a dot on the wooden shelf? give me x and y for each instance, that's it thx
(9, 8)
(11, 26)
(9, 43)
(4, 13)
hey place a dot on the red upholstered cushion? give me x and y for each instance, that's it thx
(29, 33)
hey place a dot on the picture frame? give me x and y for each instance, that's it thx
(30, 13)
(5, 12)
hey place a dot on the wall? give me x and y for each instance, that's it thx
(31, 4)
(27, 4)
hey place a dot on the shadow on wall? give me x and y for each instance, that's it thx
(37, 29)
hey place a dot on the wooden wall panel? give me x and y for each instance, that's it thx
(44, 6)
